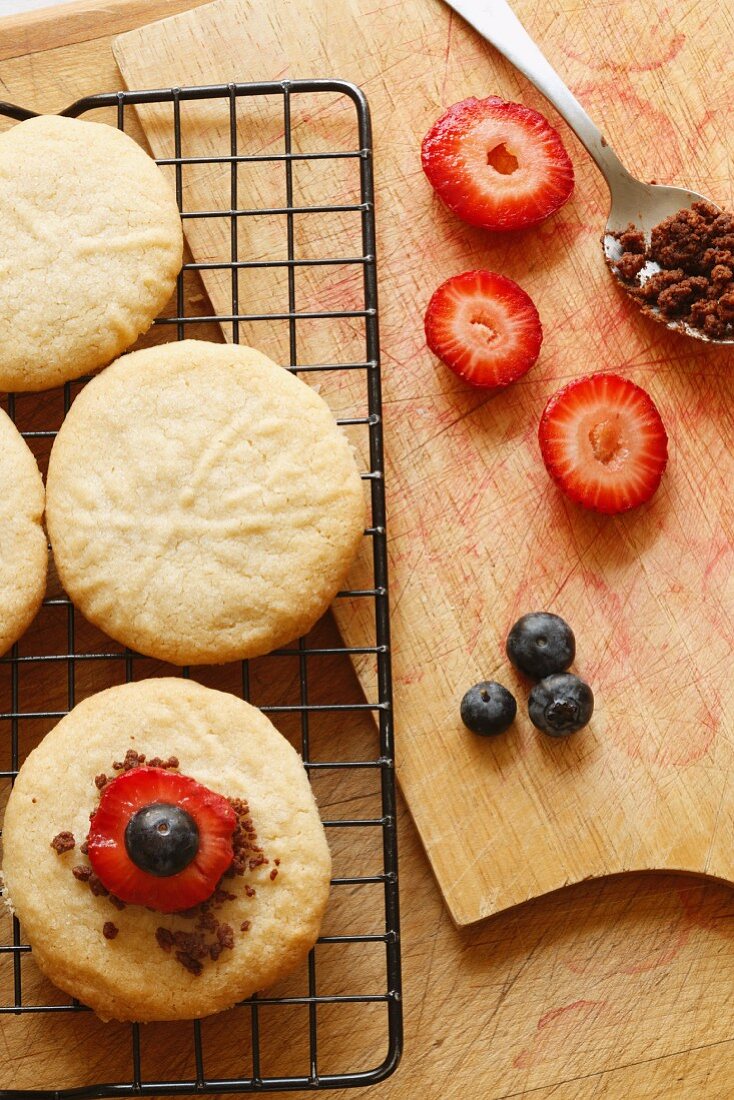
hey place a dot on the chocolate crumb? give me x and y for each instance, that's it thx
(274, 874)
(117, 902)
(250, 891)
(100, 781)
(215, 950)
(629, 265)
(632, 240)
(158, 762)
(164, 938)
(207, 922)
(247, 853)
(132, 759)
(221, 895)
(245, 926)
(82, 873)
(192, 965)
(225, 935)
(188, 914)
(84, 848)
(277, 862)
(63, 842)
(97, 886)
(109, 930)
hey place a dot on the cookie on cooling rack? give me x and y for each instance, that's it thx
(202, 504)
(90, 248)
(204, 871)
(23, 546)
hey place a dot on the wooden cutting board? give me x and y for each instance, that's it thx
(478, 534)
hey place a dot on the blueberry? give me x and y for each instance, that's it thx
(161, 839)
(541, 643)
(488, 708)
(561, 704)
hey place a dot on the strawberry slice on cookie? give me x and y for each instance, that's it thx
(160, 839)
(496, 164)
(484, 327)
(603, 443)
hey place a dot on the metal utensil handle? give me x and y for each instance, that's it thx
(496, 21)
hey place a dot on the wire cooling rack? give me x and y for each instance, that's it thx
(66, 666)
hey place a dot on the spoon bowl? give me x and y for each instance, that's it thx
(645, 205)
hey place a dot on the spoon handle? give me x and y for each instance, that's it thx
(496, 21)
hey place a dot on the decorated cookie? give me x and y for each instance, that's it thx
(90, 248)
(23, 547)
(203, 873)
(202, 504)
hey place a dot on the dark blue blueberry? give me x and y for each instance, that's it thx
(561, 704)
(161, 839)
(488, 708)
(541, 643)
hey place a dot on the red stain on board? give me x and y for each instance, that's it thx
(620, 40)
(553, 1027)
(676, 742)
(708, 143)
(709, 907)
(627, 954)
(620, 111)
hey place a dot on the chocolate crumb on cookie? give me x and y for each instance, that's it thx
(97, 886)
(109, 930)
(164, 936)
(132, 759)
(63, 842)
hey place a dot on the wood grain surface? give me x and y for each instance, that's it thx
(610, 989)
(478, 534)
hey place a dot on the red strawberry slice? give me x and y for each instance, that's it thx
(498, 165)
(603, 443)
(144, 787)
(484, 327)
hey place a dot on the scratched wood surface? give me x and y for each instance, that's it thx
(478, 535)
(611, 989)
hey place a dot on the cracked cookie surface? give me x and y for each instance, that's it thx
(202, 504)
(90, 249)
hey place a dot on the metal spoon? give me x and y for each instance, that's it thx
(645, 205)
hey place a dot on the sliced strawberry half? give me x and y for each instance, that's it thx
(603, 443)
(496, 164)
(484, 327)
(153, 791)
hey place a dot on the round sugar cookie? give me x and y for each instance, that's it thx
(272, 912)
(89, 252)
(202, 504)
(23, 545)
